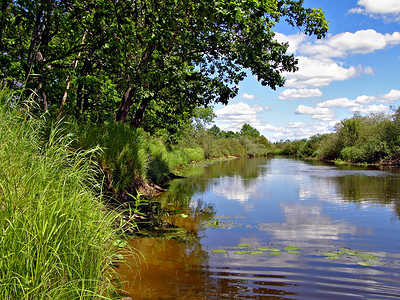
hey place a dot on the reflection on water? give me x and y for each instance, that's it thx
(276, 202)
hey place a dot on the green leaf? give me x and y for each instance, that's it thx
(367, 256)
(120, 243)
(365, 263)
(264, 249)
(274, 249)
(275, 253)
(241, 252)
(293, 252)
(291, 247)
(330, 254)
(243, 245)
(219, 251)
(255, 252)
(332, 257)
(184, 216)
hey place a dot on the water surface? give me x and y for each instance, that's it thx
(340, 227)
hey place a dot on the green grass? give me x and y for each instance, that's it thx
(57, 239)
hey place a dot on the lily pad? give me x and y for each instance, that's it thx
(291, 247)
(274, 249)
(255, 252)
(330, 254)
(241, 252)
(367, 256)
(264, 249)
(365, 263)
(243, 245)
(293, 252)
(219, 251)
(332, 257)
(276, 253)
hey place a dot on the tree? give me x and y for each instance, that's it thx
(145, 58)
(247, 130)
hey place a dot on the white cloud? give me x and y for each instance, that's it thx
(343, 44)
(320, 72)
(364, 99)
(371, 109)
(294, 40)
(390, 97)
(320, 113)
(232, 117)
(340, 102)
(291, 94)
(377, 7)
(247, 96)
(297, 125)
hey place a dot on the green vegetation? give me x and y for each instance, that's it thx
(372, 139)
(57, 239)
(133, 84)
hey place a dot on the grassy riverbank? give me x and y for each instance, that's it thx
(57, 239)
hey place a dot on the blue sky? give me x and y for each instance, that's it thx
(354, 69)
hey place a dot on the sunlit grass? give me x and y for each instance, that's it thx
(57, 239)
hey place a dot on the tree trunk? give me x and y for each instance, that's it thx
(69, 79)
(126, 103)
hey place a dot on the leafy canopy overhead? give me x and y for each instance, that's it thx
(131, 58)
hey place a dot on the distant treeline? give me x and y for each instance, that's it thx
(368, 139)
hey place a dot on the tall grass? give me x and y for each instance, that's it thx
(57, 240)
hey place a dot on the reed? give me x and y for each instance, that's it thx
(57, 239)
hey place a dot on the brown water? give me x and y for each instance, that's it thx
(340, 227)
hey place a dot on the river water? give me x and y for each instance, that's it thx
(275, 229)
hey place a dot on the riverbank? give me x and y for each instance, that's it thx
(58, 241)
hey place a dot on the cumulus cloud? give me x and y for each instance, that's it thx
(247, 96)
(294, 40)
(390, 97)
(371, 109)
(232, 117)
(314, 72)
(340, 102)
(300, 130)
(387, 9)
(291, 94)
(320, 113)
(343, 44)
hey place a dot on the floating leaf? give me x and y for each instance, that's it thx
(184, 216)
(365, 263)
(241, 252)
(367, 256)
(332, 257)
(255, 252)
(291, 247)
(330, 254)
(274, 249)
(264, 249)
(243, 245)
(293, 252)
(219, 251)
(275, 253)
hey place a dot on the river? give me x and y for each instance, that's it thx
(275, 229)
